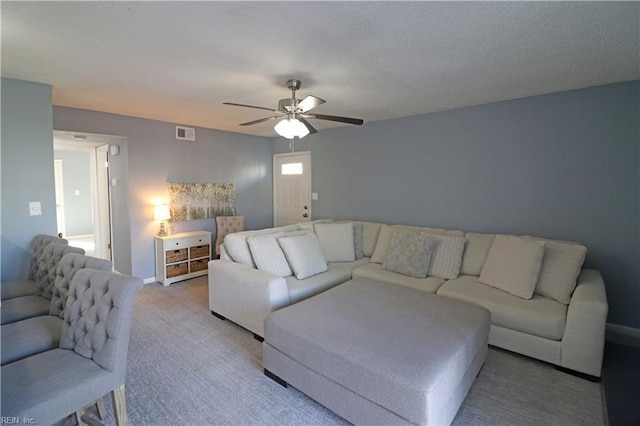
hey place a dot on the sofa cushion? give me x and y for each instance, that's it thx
(304, 254)
(302, 289)
(268, 255)
(539, 315)
(30, 336)
(409, 254)
(337, 241)
(475, 252)
(370, 232)
(426, 229)
(513, 265)
(238, 249)
(23, 307)
(309, 226)
(382, 245)
(447, 256)
(561, 266)
(375, 271)
(349, 266)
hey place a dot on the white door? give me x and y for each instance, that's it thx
(291, 188)
(59, 188)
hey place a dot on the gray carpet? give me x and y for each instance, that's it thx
(187, 367)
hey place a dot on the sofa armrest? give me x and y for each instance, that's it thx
(224, 254)
(245, 295)
(583, 340)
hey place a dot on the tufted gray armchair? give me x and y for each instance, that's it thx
(91, 360)
(24, 307)
(18, 288)
(31, 336)
(67, 268)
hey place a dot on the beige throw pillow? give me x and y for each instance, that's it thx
(513, 265)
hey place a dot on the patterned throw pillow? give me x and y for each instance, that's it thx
(409, 254)
(358, 244)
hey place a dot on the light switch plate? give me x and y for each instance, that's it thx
(35, 208)
(314, 196)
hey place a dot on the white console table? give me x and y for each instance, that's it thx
(182, 256)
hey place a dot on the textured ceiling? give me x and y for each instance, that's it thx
(178, 61)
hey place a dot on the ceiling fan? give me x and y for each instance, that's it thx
(293, 114)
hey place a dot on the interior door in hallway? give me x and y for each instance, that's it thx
(291, 188)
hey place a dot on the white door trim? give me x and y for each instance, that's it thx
(59, 189)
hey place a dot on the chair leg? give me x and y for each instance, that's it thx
(102, 409)
(119, 406)
(78, 417)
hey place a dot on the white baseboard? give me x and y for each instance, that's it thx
(149, 280)
(623, 335)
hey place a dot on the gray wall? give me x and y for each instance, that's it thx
(27, 171)
(564, 166)
(155, 158)
(76, 177)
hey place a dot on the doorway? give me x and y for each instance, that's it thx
(83, 202)
(291, 188)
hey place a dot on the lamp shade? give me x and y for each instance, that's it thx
(161, 212)
(288, 128)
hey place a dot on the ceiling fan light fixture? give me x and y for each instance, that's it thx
(290, 127)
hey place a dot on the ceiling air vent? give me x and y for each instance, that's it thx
(185, 133)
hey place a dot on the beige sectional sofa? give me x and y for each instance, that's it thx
(543, 304)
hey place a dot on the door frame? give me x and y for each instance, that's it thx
(99, 183)
(275, 174)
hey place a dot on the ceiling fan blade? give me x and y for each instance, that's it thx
(251, 123)
(250, 106)
(338, 118)
(310, 102)
(308, 125)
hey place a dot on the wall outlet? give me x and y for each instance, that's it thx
(314, 196)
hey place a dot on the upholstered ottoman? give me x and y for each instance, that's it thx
(379, 353)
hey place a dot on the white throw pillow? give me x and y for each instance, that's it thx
(561, 266)
(304, 254)
(268, 255)
(238, 248)
(446, 257)
(513, 265)
(409, 254)
(336, 240)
